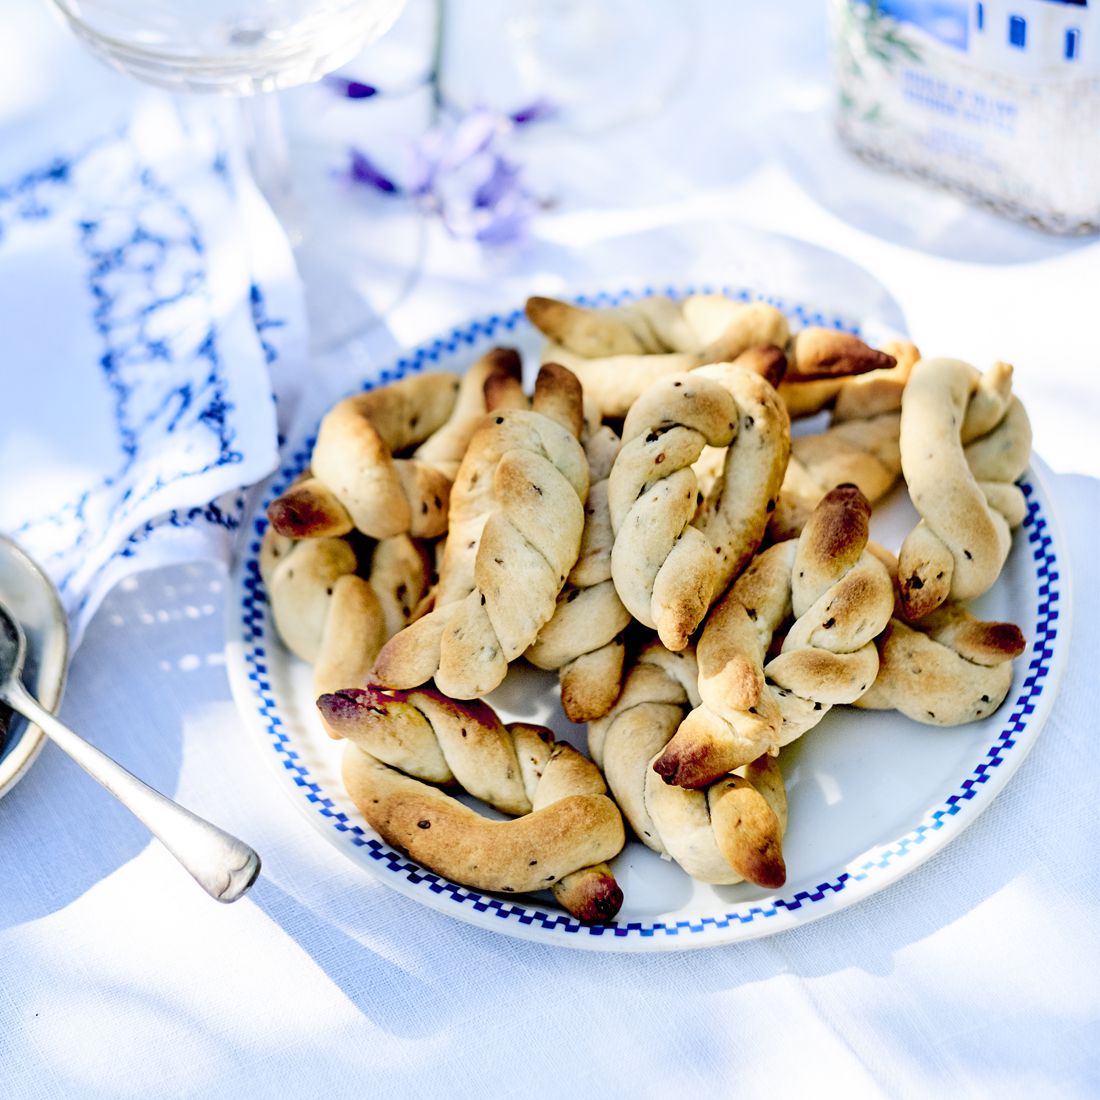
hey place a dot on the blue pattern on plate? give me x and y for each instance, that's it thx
(255, 631)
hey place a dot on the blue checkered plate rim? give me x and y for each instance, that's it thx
(274, 699)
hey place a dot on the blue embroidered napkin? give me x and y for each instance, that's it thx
(147, 298)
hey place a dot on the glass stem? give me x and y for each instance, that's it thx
(435, 73)
(269, 159)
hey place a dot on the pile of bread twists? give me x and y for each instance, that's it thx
(645, 524)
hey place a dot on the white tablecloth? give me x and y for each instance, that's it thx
(975, 975)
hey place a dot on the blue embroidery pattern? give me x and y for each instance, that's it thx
(160, 352)
(27, 199)
(264, 323)
(255, 631)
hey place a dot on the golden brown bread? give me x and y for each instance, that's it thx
(567, 829)
(664, 569)
(820, 353)
(864, 453)
(841, 598)
(948, 669)
(618, 353)
(309, 509)
(331, 617)
(729, 833)
(721, 808)
(859, 395)
(932, 682)
(666, 338)
(300, 577)
(671, 557)
(445, 447)
(734, 514)
(516, 532)
(583, 639)
(358, 480)
(860, 447)
(964, 440)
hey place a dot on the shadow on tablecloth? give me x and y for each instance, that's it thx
(67, 832)
(415, 972)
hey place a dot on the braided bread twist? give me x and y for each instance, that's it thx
(402, 741)
(557, 399)
(860, 447)
(618, 354)
(445, 447)
(865, 376)
(965, 438)
(667, 564)
(730, 832)
(949, 669)
(700, 325)
(358, 483)
(523, 481)
(583, 638)
(328, 615)
(841, 597)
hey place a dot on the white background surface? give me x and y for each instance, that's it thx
(977, 974)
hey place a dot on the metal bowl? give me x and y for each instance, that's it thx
(30, 596)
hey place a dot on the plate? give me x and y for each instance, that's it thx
(36, 606)
(872, 794)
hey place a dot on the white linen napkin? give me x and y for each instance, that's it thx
(147, 298)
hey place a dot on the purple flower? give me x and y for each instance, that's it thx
(460, 173)
(351, 89)
(536, 111)
(363, 170)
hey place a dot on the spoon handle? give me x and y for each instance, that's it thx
(222, 865)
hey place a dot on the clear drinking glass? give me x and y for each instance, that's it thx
(599, 63)
(239, 47)
(249, 49)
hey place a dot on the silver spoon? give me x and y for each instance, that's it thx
(222, 865)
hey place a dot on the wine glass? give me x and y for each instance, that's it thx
(249, 49)
(236, 48)
(600, 63)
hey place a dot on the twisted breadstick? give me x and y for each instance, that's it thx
(445, 447)
(866, 376)
(401, 741)
(359, 483)
(300, 578)
(729, 832)
(583, 638)
(700, 325)
(527, 476)
(665, 337)
(964, 440)
(951, 670)
(860, 447)
(666, 569)
(401, 573)
(556, 398)
(768, 362)
(947, 670)
(332, 618)
(356, 480)
(841, 597)
(618, 353)
(879, 391)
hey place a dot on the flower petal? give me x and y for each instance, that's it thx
(364, 171)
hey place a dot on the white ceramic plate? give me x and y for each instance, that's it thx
(872, 794)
